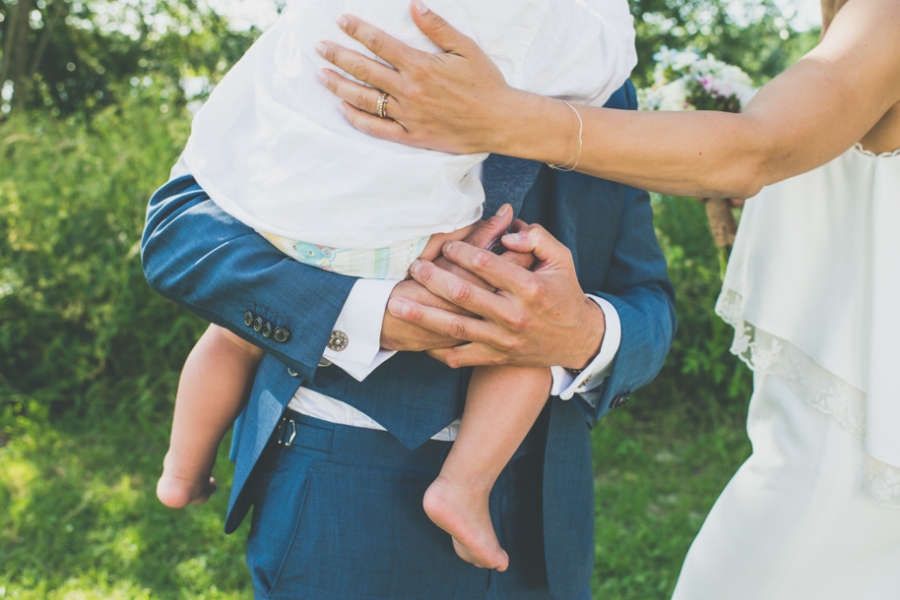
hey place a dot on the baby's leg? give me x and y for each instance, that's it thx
(211, 392)
(502, 405)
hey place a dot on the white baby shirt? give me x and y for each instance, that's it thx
(271, 148)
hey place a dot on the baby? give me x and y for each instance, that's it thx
(271, 149)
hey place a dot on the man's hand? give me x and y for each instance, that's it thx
(536, 318)
(397, 334)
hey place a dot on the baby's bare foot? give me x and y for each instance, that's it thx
(463, 513)
(176, 489)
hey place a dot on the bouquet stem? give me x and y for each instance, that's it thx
(723, 226)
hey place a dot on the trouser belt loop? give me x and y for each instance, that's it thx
(286, 431)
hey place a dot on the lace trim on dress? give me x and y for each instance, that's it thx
(861, 150)
(819, 387)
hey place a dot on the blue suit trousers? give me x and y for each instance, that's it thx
(340, 506)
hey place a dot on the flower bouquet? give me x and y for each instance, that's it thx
(685, 80)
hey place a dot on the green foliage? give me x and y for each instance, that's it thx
(700, 377)
(77, 320)
(762, 43)
(79, 57)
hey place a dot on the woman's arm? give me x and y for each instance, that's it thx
(458, 102)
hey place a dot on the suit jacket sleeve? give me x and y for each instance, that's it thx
(202, 258)
(639, 288)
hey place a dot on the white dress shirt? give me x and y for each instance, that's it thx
(361, 320)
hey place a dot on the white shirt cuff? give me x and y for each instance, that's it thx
(361, 320)
(565, 384)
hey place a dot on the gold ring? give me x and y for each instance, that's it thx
(381, 105)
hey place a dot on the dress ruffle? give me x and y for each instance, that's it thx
(765, 353)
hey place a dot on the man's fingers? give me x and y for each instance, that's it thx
(468, 355)
(503, 274)
(453, 325)
(382, 45)
(538, 241)
(445, 36)
(414, 291)
(457, 290)
(457, 270)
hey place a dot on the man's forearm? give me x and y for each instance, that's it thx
(204, 259)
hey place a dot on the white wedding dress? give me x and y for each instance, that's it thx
(813, 291)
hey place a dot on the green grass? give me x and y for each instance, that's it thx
(657, 474)
(82, 521)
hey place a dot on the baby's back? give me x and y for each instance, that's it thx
(271, 148)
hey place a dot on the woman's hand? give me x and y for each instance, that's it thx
(461, 85)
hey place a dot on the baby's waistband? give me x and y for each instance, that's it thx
(390, 262)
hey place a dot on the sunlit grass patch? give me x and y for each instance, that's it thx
(657, 474)
(85, 523)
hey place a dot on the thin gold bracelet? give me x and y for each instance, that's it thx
(577, 156)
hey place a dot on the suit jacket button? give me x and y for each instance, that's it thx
(619, 400)
(293, 373)
(258, 324)
(281, 334)
(324, 362)
(248, 318)
(267, 330)
(339, 341)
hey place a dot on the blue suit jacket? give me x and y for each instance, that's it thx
(219, 268)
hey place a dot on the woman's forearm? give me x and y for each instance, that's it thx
(459, 102)
(801, 119)
(706, 154)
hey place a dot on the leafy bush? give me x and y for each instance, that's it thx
(77, 321)
(700, 374)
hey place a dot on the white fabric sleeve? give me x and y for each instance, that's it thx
(179, 169)
(361, 320)
(595, 42)
(565, 384)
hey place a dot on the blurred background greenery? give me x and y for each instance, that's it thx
(95, 106)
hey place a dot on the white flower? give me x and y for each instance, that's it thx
(673, 96)
(714, 76)
(665, 56)
(734, 75)
(679, 60)
(649, 98)
(684, 60)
